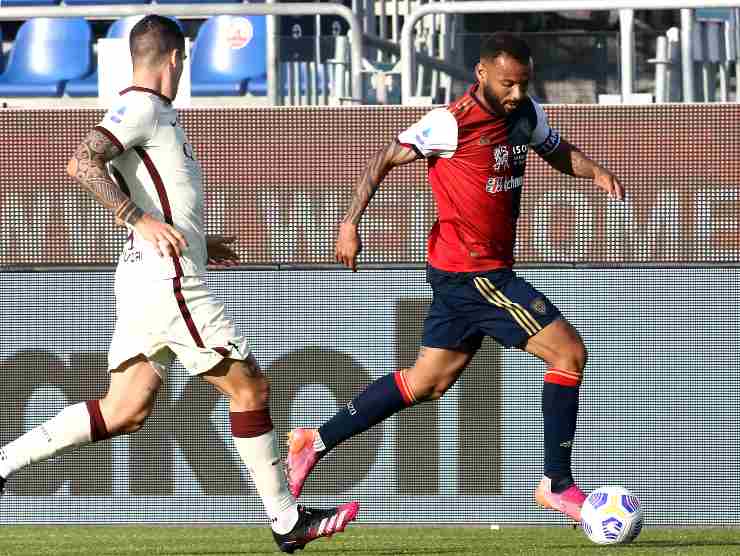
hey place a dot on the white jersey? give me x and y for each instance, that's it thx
(158, 169)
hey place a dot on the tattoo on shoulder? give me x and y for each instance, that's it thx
(88, 168)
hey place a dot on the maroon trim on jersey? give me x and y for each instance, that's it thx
(110, 136)
(163, 199)
(145, 90)
(222, 351)
(185, 312)
(158, 183)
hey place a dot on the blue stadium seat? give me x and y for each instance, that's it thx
(229, 51)
(88, 2)
(9, 3)
(119, 29)
(199, 2)
(46, 53)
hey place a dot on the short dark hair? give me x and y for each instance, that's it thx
(154, 37)
(507, 44)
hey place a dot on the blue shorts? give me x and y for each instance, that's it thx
(467, 306)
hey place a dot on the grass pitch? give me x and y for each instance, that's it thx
(74, 540)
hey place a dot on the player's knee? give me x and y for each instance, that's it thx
(432, 391)
(251, 396)
(572, 358)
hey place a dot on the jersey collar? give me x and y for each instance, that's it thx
(163, 98)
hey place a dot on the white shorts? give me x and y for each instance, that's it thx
(164, 319)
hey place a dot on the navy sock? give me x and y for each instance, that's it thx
(381, 399)
(559, 413)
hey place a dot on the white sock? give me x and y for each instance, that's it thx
(69, 429)
(318, 443)
(261, 456)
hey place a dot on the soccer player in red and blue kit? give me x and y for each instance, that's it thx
(476, 149)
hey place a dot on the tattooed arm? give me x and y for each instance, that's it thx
(568, 159)
(348, 244)
(87, 167)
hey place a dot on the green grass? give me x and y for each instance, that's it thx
(358, 541)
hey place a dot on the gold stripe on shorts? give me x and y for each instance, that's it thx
(497, 298)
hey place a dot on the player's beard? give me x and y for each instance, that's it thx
(493, 101)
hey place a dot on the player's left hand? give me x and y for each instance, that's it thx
(607, 181)
(220, 252)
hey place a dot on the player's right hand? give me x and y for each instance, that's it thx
(166, 239)
(348, 245)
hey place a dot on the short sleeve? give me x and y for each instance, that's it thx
(131, 122)
(433, 135)
(544, 138)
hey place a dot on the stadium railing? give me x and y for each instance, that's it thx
(190, 11)
(625, 7)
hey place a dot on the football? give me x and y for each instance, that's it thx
(611, 515)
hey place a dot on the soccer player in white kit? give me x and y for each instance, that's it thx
(164, 309)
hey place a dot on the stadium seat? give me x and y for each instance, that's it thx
(119, 29)
(9, 3)
(229, 51)
(103, 2)
(200, 1)
(46, 53)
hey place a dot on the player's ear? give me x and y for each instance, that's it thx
(480, 72)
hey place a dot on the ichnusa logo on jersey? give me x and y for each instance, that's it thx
(496, 184)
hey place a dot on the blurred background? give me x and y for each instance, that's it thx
(607, 56)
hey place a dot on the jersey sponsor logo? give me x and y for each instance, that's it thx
(118, 115)
(501, 158)
(497, 184)
(519, 154)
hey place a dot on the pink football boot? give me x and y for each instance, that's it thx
(568, 502)
(301, 458)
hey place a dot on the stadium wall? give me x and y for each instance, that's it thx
(279, 178)
(659, 403)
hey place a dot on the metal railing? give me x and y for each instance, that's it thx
(625, 7)
(190, 11)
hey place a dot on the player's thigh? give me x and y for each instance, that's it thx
(559, 345)
(509, 308)
(435, 371)
(242, 381)
(201, 333)
(131, 394)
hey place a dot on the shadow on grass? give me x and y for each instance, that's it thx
(686, 543)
